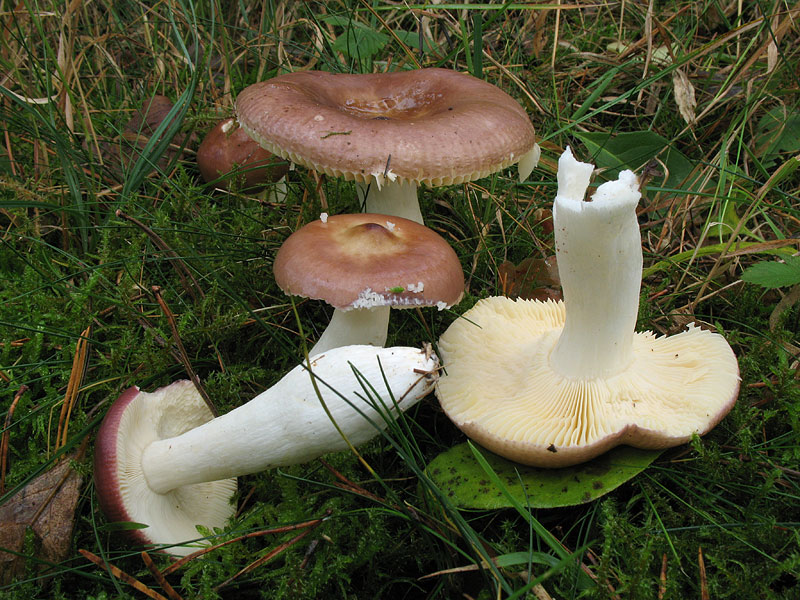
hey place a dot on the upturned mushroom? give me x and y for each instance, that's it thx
(227, 155)
(363, 264)
(162, 460)
(553, 384)
(390, 132)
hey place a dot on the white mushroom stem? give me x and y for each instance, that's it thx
(356, 326)
(287, 423)
(386, 197)
(278, 191)
(599, 253)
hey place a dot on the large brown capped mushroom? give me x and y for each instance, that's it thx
(390, 131)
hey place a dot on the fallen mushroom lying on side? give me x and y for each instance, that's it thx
(391, 132)
(553, 384)
(363, 264)
(162, 460)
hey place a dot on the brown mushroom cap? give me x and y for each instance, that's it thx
(227, 149)
(365, 260)
(439, 127)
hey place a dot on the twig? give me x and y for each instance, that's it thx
(704, 595)
(312, 547)
(6, 434)
(15, 343)
(555, 36)
(182, 351)
(349, 486)
(189, 557)
(79, 362)
(790, 299)
(12, 163)
(264, 559)
(122, 575)
(180, 266)
(405, 508)
(159, 577)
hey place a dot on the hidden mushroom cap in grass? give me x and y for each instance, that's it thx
(390, 131)
(553, 384)
(228, 154)
(363, 264)
(161, 460)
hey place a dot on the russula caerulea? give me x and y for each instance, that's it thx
(363, 264)
(227, 155)
(553, 384)
(390, 131)
(162, 460)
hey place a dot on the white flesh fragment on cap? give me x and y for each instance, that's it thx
(557, 383)
(382, 178)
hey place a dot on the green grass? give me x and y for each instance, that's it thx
(719, 518)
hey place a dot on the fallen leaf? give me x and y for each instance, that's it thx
(532, 279)
(684, 95)
(47, 506)
(544, 218)
(465, 482)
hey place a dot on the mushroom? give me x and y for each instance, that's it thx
(362, 264)
(162, 460)
(390, 132)
(552, 384)
(228, 155)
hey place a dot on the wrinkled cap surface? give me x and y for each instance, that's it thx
(365, 260)
(134, 421)
(439, 127)
(500, 390)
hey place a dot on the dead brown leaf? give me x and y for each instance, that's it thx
(684, 95)
(681, 317)
(532, 279)
(46, 505)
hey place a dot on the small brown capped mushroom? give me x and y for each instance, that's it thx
(228, 156)
(363, 264)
